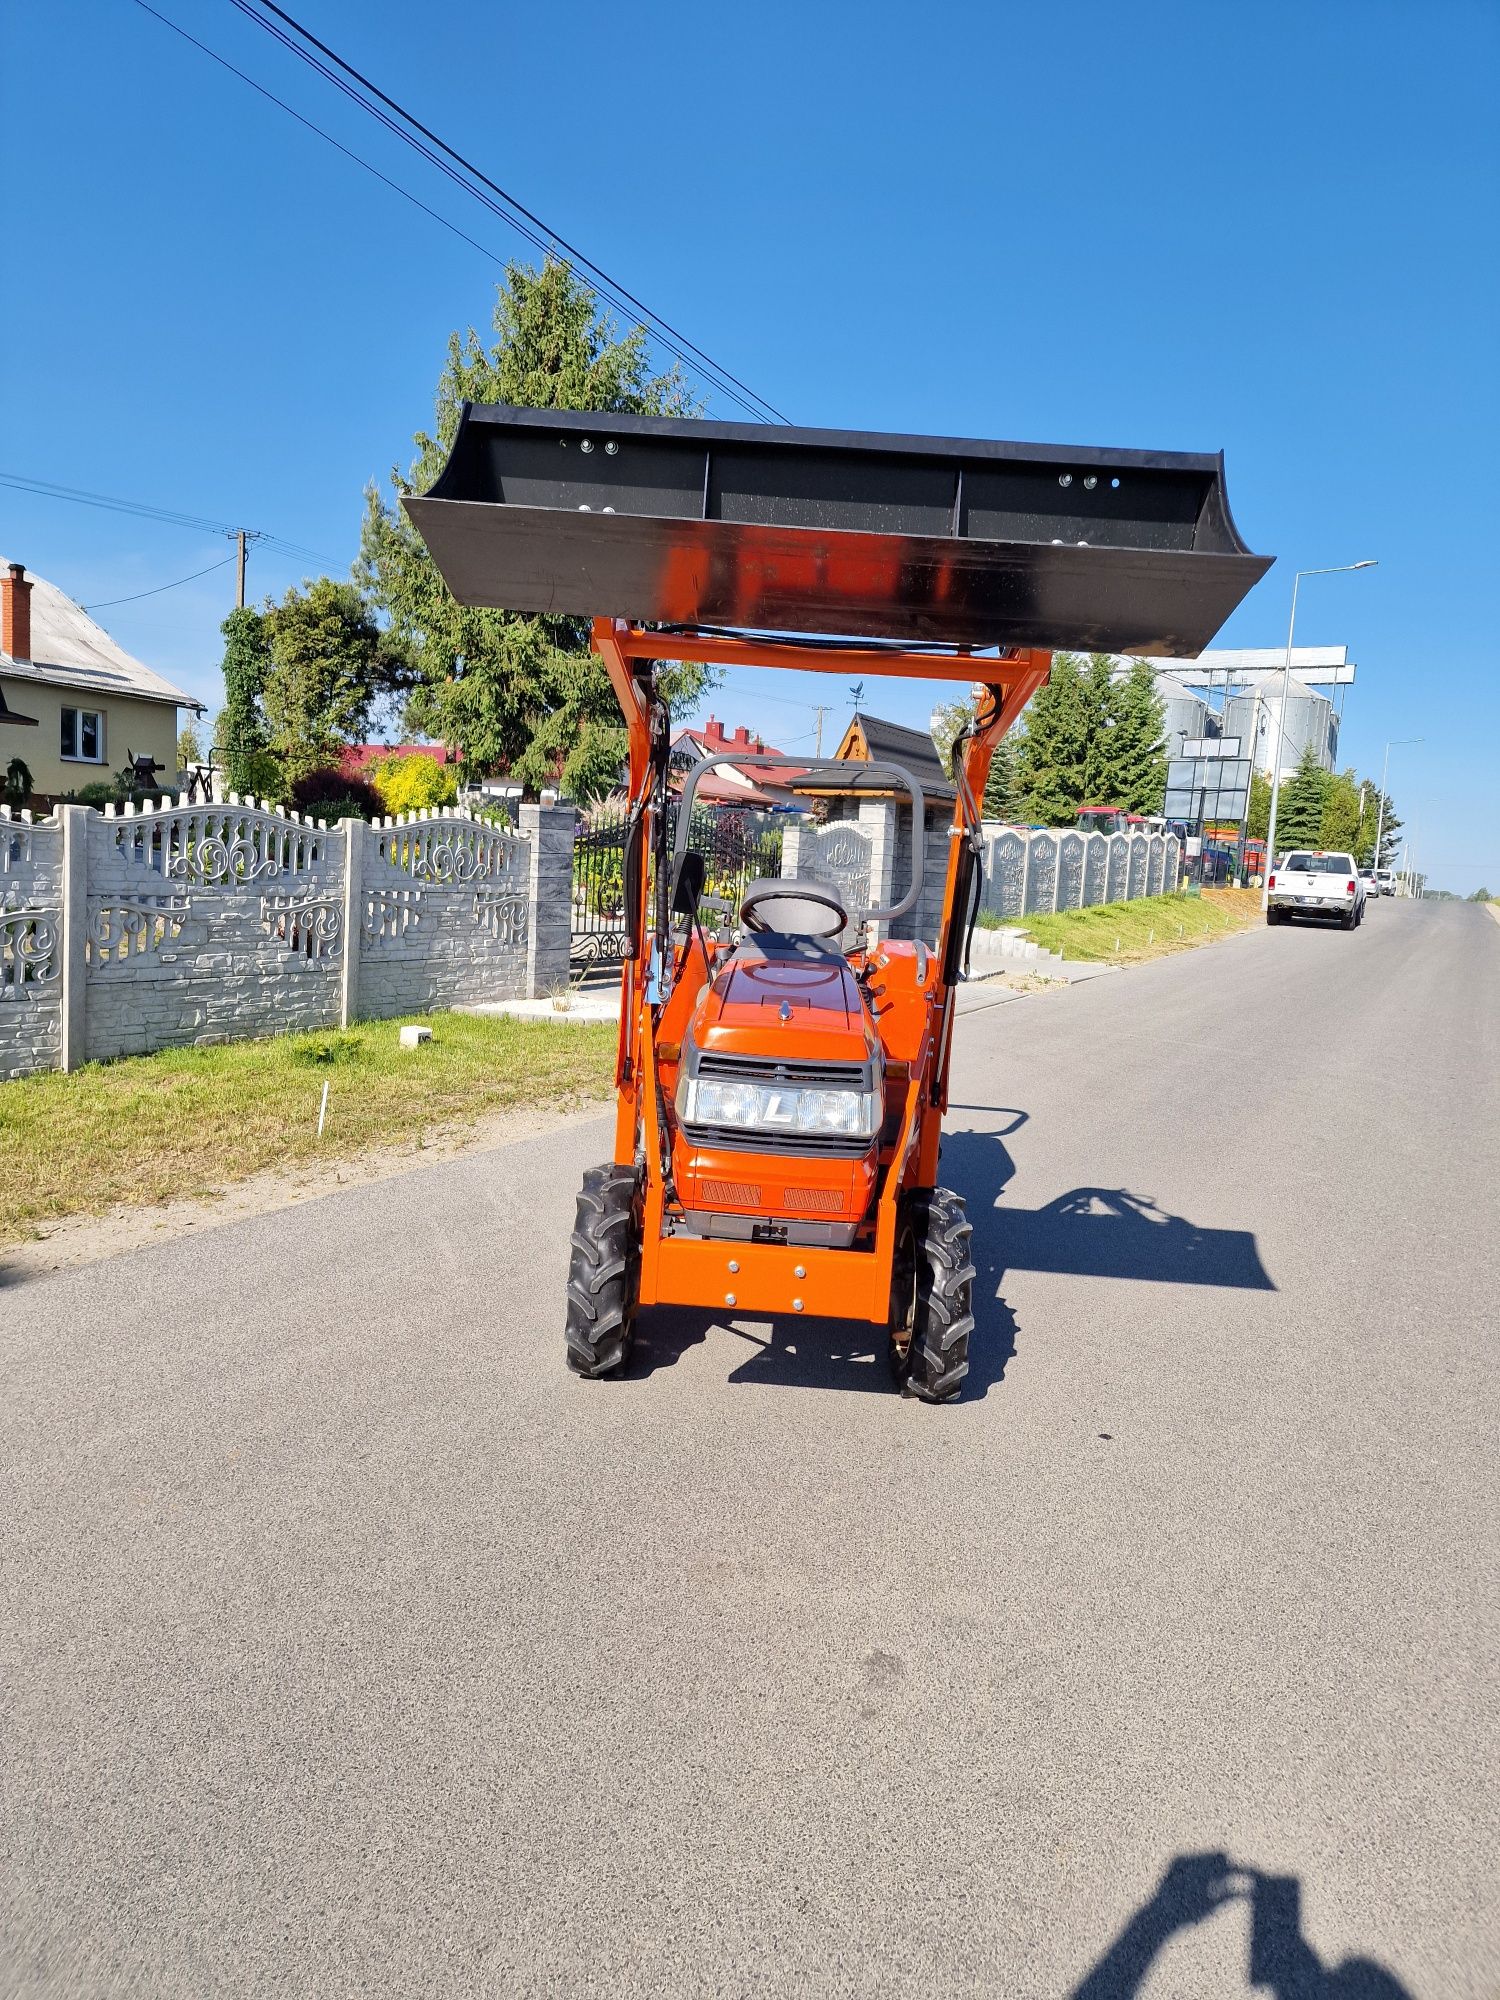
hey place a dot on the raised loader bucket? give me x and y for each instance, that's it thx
(938, 541)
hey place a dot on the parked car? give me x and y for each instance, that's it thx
(1386, 877)
(1309, 884)
(1371, 880)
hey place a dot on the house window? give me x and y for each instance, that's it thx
(82, 736)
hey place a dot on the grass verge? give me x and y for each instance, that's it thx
(188, 1122)
(1150, 927)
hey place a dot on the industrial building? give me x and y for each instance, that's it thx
(1237, 692)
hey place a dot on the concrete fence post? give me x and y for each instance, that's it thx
(549, 896)
(877, 818)
(355, 835)
(74, 923)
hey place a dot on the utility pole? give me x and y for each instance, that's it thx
(239, 596)
(820, 712)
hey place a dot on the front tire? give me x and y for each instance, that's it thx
(932, 1296)
(604, 1271)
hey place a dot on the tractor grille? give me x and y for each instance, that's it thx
(766, 1069)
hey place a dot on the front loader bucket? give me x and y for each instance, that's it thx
(934, 541)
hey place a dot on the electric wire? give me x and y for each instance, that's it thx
(515, 212)
(47, 489)
(105, 603)
(491, 256)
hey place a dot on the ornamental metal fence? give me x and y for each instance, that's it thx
(738, 847)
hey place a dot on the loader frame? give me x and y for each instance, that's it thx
(677, 1268)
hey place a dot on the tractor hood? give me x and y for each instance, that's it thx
(790, 1002)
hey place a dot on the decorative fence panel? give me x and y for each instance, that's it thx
(1119, 868)
(1041, 874)
(444, 914)
(31, 960)
(838, 855)
(1138, 858)
(1173, 868)
(1070, 870)
(1156, 864)
(208, 923)
(1095, 869)
(1005, 873)
(126, 932)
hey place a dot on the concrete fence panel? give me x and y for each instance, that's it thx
(1041, 874)
(1136, 881)
(1070, 863)
(1172, 869)
(31, 943)
(1095, 869)
(207, 924)
(1118, 876)
(1005, 873)
(444, 913)
(1156, 864)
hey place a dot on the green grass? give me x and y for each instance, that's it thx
(193, 1121)
(1150, 927)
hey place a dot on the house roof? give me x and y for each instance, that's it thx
(731, 783)
(870, 738)
(69, 650)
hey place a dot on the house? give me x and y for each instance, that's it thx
(869, 739)
(730, 783)
(74, 706)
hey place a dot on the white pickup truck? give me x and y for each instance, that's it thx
(1305, 884)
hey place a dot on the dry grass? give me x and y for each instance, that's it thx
(1150, 927)
(189, 1122)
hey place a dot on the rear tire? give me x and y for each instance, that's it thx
(604, 1271)
(1273, 916)
(932, 1297)
(1349, 919)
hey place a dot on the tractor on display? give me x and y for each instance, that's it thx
(780, 1091)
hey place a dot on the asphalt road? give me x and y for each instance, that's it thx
(351, 1646)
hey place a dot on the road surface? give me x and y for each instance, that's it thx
(352, 1647)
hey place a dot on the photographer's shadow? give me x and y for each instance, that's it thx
(1281, 1961)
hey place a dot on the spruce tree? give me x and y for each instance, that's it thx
(1299, 810)
(1055, 752)
(1134, 754)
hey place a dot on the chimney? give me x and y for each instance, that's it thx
(713, 734)
(742, 736)
(15, 613)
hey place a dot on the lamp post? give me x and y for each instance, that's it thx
(1334, 569)
(1385, 766)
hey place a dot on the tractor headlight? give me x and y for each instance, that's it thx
(779, 1107)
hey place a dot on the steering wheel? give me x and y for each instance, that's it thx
(793, 909)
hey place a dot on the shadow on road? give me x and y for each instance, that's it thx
(1281, 1961)
(1093, 1232)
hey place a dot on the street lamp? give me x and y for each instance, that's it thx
(1395, 744)
(1335, 569)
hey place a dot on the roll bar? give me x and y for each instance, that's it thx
(823, 771)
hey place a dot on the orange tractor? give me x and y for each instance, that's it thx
(781, 1093)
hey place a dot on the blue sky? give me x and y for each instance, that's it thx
(1270, 229)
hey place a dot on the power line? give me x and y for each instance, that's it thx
(491, 256)
(201, 524)
(515, 212)
(105, 603)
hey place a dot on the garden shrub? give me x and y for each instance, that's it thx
(414, 782)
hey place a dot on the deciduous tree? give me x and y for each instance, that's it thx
(506, 692)
(329, 662)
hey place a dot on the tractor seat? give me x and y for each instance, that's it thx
(774, 908)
